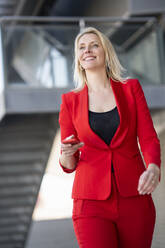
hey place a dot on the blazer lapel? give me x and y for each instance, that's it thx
(122, 129)
(122, 106)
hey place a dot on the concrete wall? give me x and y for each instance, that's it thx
(147, 6)
(107, 8)
(124, 7)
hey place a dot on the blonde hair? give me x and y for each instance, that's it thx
(114, 69)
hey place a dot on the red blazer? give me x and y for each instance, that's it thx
(93, 170)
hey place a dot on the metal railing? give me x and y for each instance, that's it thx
(37, 56)
(21, 36)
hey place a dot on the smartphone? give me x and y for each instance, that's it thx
(71, 141)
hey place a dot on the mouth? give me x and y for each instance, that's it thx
(89, 58)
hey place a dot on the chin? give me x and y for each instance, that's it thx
(92, 68)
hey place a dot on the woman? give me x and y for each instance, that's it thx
(108, 115)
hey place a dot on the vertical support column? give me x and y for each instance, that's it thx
(2, 76)
(81, 24)
(161, 52)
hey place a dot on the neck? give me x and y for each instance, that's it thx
(97, 80)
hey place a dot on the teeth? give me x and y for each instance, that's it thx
(91, 58)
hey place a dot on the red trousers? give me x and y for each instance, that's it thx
(118, 222)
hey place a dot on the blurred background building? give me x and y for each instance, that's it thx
(36, 67)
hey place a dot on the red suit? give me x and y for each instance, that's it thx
(93, 180)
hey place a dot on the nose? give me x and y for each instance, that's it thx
(87, 50)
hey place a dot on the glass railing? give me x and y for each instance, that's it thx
(145, 59)
(38, 52)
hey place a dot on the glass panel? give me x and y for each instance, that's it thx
(143, 60)
(39, 56)
(42, 55)
(138, 47)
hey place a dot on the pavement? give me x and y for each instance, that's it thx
(52, 234)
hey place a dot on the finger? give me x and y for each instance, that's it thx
(142, 189)
(151, 189)
(73, 147)
(65, 149)
(152, 186)
(142, 181)
(149, 182)
(69, 153)
(152, 181)
(69, 148)
(78, 145)
(65, 146)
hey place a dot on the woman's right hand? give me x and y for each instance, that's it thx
(70, 149)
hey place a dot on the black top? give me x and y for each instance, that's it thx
(104, 124)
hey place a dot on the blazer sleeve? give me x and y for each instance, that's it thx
(66, 128)
(148, 140)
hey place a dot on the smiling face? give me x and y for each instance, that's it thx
(90, 52)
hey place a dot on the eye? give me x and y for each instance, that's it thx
(96, 45)
(81, 48)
